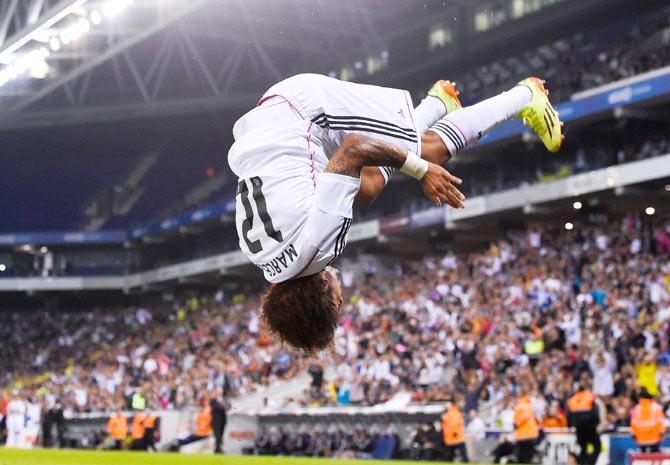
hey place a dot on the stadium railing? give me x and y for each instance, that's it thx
(243, 429)
(613, 177)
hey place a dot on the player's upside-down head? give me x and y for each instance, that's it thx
(304, 311)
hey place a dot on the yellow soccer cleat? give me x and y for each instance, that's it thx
(540, 115)
(446, 91)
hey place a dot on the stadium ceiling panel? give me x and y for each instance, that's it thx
(56, 46)
(78, 61)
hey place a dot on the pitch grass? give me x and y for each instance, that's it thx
(96, 457)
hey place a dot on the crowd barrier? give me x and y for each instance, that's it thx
(618, 448)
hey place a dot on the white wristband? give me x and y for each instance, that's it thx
(415, 166)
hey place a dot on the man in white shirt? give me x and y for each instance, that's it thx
(476, 428)
(16, 421)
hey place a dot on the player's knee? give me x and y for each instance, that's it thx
(302, 311)
(434, 149)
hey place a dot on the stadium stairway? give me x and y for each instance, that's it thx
(275, 394)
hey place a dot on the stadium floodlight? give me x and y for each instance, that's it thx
(650, 211)
(84, 25)
(33, 62)
(67, 24)
(40, 71)
(75, 31)
(577, 205)
(65, 37)
(569, 226)
(68, 7)
(112, 8)
(19, 67)
(2, 267)
(44, 249)
(96, 17)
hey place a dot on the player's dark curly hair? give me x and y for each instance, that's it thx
(302, 311)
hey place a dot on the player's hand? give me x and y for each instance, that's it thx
(438, 185)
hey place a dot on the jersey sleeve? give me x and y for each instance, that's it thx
(332, 211)
(387, 172)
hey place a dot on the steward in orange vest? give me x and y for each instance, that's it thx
(149, 430)
(647, 423)
(203, 422)
(453, 432)
(137, 431)
(584, 416)
(526, 428)
(203, 426)
(117, 427)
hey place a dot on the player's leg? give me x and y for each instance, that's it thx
(468, 125)
(463, 452)
(528, 100)
(597, 445)
(449, 453)
(13, 430)
(442, 99)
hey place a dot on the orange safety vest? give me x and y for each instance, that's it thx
(559, 421)
(203, 422)
(525, 423)
(582, 401)
(646, 422)
(138, 427)
(117, 426)
(150, 421)
(453, 431)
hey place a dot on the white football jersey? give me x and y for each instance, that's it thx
(16, 407)
(293, 218)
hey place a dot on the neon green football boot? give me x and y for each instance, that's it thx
(540, 115)
(446, 91)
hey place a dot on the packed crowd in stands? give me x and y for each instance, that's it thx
(582, 61)
(539, 307)
(643, 49)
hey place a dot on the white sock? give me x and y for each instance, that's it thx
(469, 124)
(430, 111)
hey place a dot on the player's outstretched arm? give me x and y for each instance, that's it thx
(357, 151)
(372, 180)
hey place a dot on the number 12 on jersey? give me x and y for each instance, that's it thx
(261, 206)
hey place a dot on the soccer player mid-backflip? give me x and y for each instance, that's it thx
(313, 145)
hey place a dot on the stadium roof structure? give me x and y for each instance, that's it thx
(67, 62)
(74, 61)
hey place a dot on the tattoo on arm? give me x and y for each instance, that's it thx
(358, 151)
